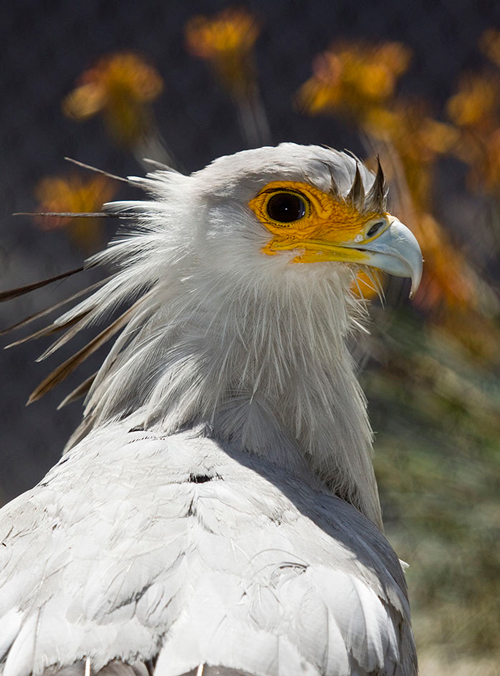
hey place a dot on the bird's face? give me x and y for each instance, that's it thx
(315, 208)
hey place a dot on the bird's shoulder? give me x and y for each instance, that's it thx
(137, 546)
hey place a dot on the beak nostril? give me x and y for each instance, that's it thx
(375, 228)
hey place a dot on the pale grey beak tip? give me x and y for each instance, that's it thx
(416, 278)
(397, 252)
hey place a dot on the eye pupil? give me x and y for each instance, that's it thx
(375, 228)
(286, 207)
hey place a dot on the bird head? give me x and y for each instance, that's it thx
(297, 205)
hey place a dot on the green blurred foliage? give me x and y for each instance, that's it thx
(436, 413)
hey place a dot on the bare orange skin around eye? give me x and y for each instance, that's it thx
(327, 221)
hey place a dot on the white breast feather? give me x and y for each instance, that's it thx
(229, 571)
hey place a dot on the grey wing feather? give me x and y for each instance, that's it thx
(138, 548)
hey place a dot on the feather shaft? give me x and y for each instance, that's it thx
(99, 171)
(46, 331)
(70, 214)
(78, 392)
(52, 308)
(65, 369)
(21, 290)
(75, 324)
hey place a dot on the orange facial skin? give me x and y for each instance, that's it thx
(330, 229)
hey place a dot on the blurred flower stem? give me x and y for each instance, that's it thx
(226, 42)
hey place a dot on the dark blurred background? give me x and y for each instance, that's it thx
(430, 368)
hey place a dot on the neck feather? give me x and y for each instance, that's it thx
(261, 365)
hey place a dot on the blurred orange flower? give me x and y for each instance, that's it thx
(418, 140)
(475, 108)
(482, 153)
(476, 104)
(449, 280)
(74, 195)
(354, 77)
(490, 44)
(233, 30)
(120, 86)
(409, 127)
(226, 41)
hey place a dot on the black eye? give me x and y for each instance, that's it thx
(286, 207)
(375, 228)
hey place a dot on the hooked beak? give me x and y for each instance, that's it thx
(395, 251)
